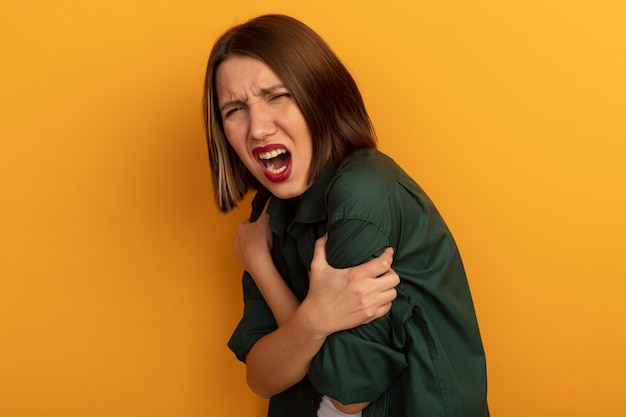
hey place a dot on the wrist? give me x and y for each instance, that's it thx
(309, 319)
(258, 263)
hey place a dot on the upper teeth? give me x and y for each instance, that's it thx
(272, 154)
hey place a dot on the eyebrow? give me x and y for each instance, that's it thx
(264, 91)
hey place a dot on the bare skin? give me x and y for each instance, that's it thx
(338, 299)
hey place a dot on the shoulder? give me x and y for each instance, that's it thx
(369, 162)
(363, 185)
(370, 184)
(366, 169)
(365, 174)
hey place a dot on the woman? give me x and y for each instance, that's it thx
(324, 332)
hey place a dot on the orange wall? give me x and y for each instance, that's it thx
(118, 289)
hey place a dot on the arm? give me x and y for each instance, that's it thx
(337, 300)
(360, 363)
(252, 249)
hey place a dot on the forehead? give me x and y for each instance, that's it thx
(241, 76)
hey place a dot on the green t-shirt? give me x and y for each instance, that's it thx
(423, 358)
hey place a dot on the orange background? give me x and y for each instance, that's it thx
(118, 288)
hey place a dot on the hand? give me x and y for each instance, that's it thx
(253, 242)
(341, 299)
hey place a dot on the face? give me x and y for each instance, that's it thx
(264, 125)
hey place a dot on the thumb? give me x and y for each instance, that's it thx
(265, 216)
(319, 252)
(267, 204)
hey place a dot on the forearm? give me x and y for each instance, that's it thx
(337, 300)
(252, 248)
(282, 358)
(278, 296)
(349, 408)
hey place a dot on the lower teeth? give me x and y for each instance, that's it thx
(276, 171)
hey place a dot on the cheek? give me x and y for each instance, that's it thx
(236, 140)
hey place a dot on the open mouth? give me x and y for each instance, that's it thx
(275, 161)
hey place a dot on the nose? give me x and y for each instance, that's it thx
(262, 123)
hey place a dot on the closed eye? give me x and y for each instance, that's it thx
(281, 95)
(231, 112)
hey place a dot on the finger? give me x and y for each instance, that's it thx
(264, 217)
(380, 311)
(384, 309)
(264, 214)
(390, 295)
(393, 275)
(388, 280)
(319, 252)
(386, 299)
(387, 255)
(375, 267)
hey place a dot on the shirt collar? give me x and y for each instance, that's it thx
(309, 208)
(312, 207)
